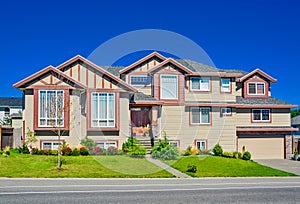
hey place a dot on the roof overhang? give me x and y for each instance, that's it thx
(219, 74)
(267, 129)
(172, 61)
(257, 71)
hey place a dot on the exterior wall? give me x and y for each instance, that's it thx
(279, 117)
(256, 78)
(175, 122)
(214, 95)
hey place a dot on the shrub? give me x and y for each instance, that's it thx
(112, 150)
(97, 150)
(217, 150)
(228, 154)
(128, 144)
(54, 152)
(246, 156)
(35, 150)
(23, 149)
(187, 152)
(194, 151)
(1, 152)
(89, 144)
(237, 155)
(14, 150)
(75, 152)
(40, 152)
(204, 151)
(66, 151)
(137, 151)
(192, 168)
(83, 151)
(47, 152)
(169, 152)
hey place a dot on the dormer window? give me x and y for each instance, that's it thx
(256, 88)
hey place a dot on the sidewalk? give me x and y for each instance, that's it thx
(164, 166)
(281, 164)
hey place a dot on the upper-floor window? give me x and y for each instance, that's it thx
(200, 115)
(256, 88)
(260, 115)
(226, 111)
(169, 87)
(140, 80)
(200, 83)
(225, 85)
(103, 109)
(51, 108)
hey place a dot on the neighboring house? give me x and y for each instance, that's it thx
(295, 121)
(9, 106)
(193, 104)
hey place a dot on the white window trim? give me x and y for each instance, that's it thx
(199, 79)
(225, 113)
(256, 83)
(200, 141)
(174, 142)
(229, 89)
(199, 108)
(107, 118)
(48, 118)
(106, 144)
(139, 76)
(161, 88)
(52, 144)
(261, 120)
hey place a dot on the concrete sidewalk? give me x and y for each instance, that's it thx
(281, 164)
(164, 166)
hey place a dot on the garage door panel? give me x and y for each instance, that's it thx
(263, 148)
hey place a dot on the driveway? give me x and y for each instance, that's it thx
(281, 164)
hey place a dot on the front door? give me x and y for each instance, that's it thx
(140, 120)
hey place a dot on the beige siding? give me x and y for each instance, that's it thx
(214, 95)
(279, 117)
(175, 122)
(262, 148)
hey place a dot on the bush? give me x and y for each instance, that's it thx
(192, 168)
(204, 151)
(47, 152)
(23, 149)
(237, 155)
(66, 151)
(35, 150)
(89, 144)
(83, 151)
(246, 156)
(40, 152)
(112, 150)
(54, 152)
(128, 144)
(169, 152)
(217, 150)
(97, 150)
(228, 154)
(75, 152)
(137, 151)
(14, 150)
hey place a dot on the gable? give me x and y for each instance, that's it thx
(257, 73)
(170, 65)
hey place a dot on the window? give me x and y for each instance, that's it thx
(6, 112)
(103, 110)
(226, 111)
(105, 145)
(201, 144)
(200, 115)
(200, 83)
(140, 80)
(256, 88)
(174, 143)
(51, 145)
(169, 87)
(260, 115)
(51, 108)
(225, 85)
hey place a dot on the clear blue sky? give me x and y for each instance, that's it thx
(241, 34)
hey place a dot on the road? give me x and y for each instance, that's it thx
(203, 190)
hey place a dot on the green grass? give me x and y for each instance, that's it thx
(210, 166)
(22, 165)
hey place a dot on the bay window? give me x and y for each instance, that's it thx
(103, 109)
(51, 108)
(169, 87)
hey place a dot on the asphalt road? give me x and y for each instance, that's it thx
(204, 190)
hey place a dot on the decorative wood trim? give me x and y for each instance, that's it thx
(103, 82)
(95, 80)
(78, 70)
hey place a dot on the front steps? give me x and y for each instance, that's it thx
(146, 143)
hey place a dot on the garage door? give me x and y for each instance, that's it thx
(263, 148)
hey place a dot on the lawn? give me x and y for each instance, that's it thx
(210, 166)
(24, 165)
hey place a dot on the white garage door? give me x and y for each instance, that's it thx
(263, 148)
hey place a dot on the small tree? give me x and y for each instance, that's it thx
(30, 139)
(217, 150)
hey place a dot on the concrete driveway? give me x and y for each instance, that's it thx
(281, 164)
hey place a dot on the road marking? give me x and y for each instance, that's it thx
(148, 190)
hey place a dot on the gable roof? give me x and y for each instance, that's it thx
(97, 68)
(295, 120)
(257, 71)
(153, 54)
(172, 61)
(24, 83)
(10, 102)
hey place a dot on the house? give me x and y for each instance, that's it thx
(9, 106)
(193, 104)
(295, 122)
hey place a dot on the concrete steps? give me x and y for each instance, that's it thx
(146, 143)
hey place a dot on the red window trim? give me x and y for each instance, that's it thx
(200, 124)
(261, 121)
(230, 85)
(200, 91)
(66, 109)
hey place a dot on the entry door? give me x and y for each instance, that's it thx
(140, 117)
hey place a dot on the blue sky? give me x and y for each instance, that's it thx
(242, 34)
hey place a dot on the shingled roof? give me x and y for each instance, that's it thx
(113, 69)
(260, 101)
(141, 97)
(10, 102)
